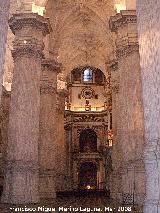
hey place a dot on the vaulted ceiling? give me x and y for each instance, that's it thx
(81, 34)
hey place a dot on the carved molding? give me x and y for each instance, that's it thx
(87, 93)
(88, 118)
(21, 20)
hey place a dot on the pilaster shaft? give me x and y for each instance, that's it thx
(61, 146)
(48, 140)
(22, 170)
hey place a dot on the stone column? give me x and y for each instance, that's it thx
(148, 28)
(130, 124)
(61, 143)
(22, 170)
(4, 14)
(48, 140)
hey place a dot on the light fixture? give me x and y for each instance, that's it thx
(88, 187)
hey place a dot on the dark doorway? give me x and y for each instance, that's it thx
(88, 141)
(88, 176)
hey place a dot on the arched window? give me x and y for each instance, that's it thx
(87, 75)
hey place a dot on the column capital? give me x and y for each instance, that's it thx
(50, 69)
(22, 20)
(121, 19)
(52, 65)
(127, 37)
(29, 30)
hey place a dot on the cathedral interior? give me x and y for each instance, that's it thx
(80, 104)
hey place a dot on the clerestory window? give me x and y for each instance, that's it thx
(87, 75)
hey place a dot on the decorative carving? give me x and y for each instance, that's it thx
(88, 93)
(88, 118)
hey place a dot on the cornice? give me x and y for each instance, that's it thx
(122, 18)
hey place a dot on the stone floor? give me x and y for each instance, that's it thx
(74, 204)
